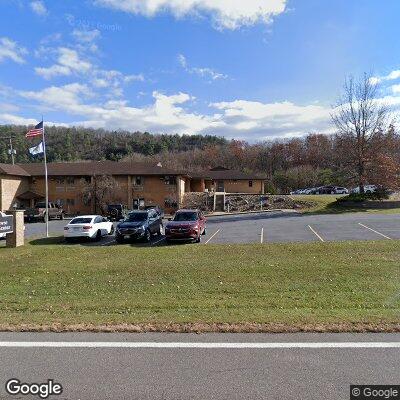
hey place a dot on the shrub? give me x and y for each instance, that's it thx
(381, 194)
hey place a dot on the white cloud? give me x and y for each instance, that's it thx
(396, 89)
(38, 7)
(204, 72)
(86, 36)
(225, 14)
(171, 114)
(10, 50)
(68, 63)
(389, 77)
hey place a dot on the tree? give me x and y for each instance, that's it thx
(100, 192)
(360, 119)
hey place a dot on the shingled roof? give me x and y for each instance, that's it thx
(221, 173)
(9, 169)
(97, 168)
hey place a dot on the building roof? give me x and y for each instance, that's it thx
(9, 169)
(97, 168)
(221, 173)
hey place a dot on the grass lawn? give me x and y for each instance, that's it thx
(278, 287)
(326, 204)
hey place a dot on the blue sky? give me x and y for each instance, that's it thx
(251, 70)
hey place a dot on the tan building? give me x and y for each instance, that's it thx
(137, 183)
(222, 179)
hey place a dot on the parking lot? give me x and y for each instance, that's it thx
(274, 227)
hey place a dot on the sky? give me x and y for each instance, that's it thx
(250, 70)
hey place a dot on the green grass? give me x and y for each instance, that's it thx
(290, 284)
(326, 204)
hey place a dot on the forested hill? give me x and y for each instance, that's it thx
(72, 144)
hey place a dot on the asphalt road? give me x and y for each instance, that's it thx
(107, 372)
(274, 227)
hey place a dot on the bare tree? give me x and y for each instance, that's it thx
(360, 119)
(100, 192)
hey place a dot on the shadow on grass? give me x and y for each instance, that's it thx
(337, 208)
(47, 241)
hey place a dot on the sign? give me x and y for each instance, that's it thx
(6, 224)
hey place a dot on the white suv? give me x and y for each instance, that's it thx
(367, 189)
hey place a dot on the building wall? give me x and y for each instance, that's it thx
(10, 187)
(239, 186)
(69, 191)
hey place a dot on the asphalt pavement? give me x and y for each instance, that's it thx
(189, 366)
(272, 227)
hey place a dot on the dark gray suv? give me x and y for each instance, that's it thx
(139, 225)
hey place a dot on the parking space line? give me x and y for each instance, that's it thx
(158, 241)
(262, 235)
(316, 234)
(212, 236)
(373, 230)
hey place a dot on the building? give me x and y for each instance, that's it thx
(23, 185)
(222, 179)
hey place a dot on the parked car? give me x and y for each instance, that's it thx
(139, 225)
(2, 235)
(367, 189)
(186, 225)
(159, 210)
(88, 226)
(115, 212)
(38, 213)
(341, 190)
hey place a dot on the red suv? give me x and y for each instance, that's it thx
(186, 225)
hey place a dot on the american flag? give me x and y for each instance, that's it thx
(36, 131)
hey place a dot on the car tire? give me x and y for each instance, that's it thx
(204, 232)
(198, 240)
(98, 236)
(112, 230)
(119, 240)
(147, 236)
(160, 230)
(61, 216)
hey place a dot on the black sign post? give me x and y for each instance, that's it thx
(6, 224)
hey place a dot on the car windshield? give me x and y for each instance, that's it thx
(186, 216)
(136, 217)
(81, 221)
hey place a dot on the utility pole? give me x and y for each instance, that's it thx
(11, 150)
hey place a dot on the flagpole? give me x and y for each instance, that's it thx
(46, 179)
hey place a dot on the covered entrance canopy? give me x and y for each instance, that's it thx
(29, 198)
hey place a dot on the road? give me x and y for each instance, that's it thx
(275, 227)
(109, 371)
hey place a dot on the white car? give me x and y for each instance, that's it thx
(88, 226)
(367, 189)
(2, 235)
(341, 190)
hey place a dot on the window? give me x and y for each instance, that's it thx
(170, 180)
(60, 181)
(250, 183)
(70, 180)
(137, 181)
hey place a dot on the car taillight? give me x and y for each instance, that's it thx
(86, 228)
(66, 228)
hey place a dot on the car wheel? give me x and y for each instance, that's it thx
(147, 236)
(98, 236)
(204, 232)
(112, 230)
(198, 240)
(119, 240)
(61, 216)
(160, 230)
